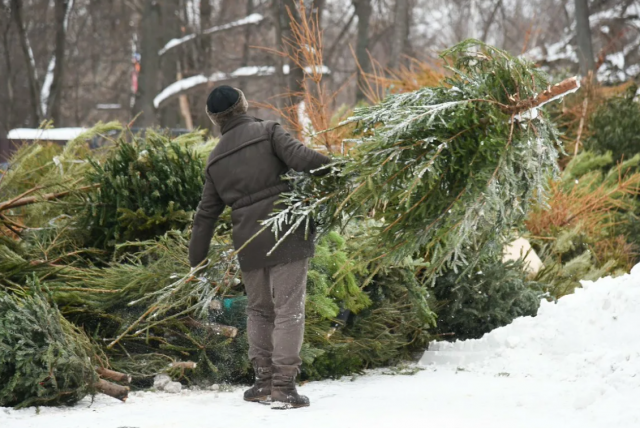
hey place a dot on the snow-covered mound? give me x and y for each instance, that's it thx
(575, 365)
(593, 334)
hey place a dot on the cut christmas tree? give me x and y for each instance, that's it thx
(442, 173)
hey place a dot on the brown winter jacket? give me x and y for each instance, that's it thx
(244, 172)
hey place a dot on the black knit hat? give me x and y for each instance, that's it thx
(222, 98)
(225, 102)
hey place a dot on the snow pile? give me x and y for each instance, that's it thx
(590, 337)
(575, 365)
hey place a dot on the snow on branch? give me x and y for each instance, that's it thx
(181, 85)
(564, 49)
(254, 18)
(45, 91)
(186, 84)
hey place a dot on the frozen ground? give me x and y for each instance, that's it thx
(575, 365)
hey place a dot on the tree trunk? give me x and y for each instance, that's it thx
(247, 43)
(583, 32)
(203, 57)
(149, 64)
(170, 116)
(290, 86)
(317, 8)
(55, 92)
(489, 22)
(296, 74)
(363, 12)
(9, 79)
(328, 58)
(32, 73)
(276, 7)
(400, 33)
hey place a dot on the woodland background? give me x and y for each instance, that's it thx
(77, 62)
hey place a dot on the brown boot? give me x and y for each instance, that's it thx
(261, 389)
(283, 390)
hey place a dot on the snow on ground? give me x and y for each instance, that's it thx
(53, 134)
(577, 364)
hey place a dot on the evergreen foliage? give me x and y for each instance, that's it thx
(470, 305)
(394, 328)
(615, 126)
(435, 182)
(445, 171)
(146, 188)
(44, 359)
(581, 233)
(327, 291)
(567, 261)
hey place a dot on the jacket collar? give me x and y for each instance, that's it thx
(237, 121)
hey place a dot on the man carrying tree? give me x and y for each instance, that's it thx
(244, 172)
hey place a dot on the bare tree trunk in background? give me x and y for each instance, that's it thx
(296, 74)
(317, 7)
(205, 42)
(276, 6)
(489, 22)
(247, 43)
(170, 116)
(8, 119)
(149, 64)
(292, 84)
(55, 92)
(34, 90)
(583, 30)
(363, 12)
(400, 33)
(329, 54)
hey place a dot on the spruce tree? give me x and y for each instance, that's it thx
(443, 173)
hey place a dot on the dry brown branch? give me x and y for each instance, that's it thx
(304, 49)
(589, 206)
(22, 201)
(407, 78)
(585, 106)
(138, 321)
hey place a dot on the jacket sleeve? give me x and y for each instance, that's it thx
(295, 154)
(209, 209)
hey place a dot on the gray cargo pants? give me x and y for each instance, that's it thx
(275, 312)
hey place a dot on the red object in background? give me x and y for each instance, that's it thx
(134, 73)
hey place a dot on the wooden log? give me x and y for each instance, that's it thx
(184, 365)
(113, 390)
(113, 375)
